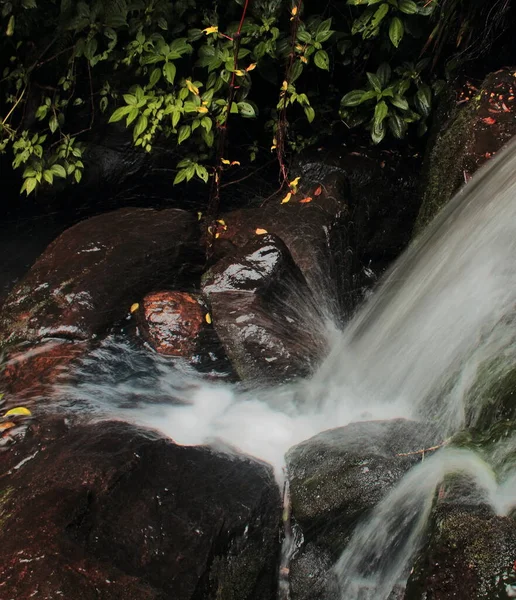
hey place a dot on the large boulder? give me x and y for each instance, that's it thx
(137, 516)
(260, 305)
(480, 122)
(88, 277)
(469, 554)
(336, 478)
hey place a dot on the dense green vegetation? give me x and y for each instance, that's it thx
(188, 70)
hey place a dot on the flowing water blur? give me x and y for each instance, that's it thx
(444, 313)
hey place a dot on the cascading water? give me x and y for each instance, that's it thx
(443, 313)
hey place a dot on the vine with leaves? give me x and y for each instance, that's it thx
(179, 71)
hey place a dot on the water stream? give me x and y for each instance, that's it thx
(443, 314)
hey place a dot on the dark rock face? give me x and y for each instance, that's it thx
(473, 134)
(111, 511)
(257, 297)
(336, 477)
(470, 555)
(171, 322)
(89, 276)
(310, 225)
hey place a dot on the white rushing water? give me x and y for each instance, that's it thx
(444, 311)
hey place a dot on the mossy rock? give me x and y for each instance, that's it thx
(469, 555)
(471, 135)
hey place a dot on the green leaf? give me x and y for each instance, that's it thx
(133, 113)
(140, 127)
(207, 123)
(181, 176)
(380, 112)
(202, 173)
(154, 77)
(384, 74)
(246, 110)
(184, 133)
(399, 102)
(53, 123)
(162, 24)
(58, 171)
(310, 113)
(29, 185)
(296, 70)
(353, 98)
(377, 133)
(48, 176)
(408, 7)
(375, 82)
(130, 99)
(397, 126)
(169, 70)
(176, 115)
(322, 60)
(396, 31)
(78, 175)
(379, 15)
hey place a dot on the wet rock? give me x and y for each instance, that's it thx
(474, 132)
(89, 276)
(29, 373)
(136, 517)
(171, 322)
(336, 477)
(310, 225)
(263, 312)
(470, 554)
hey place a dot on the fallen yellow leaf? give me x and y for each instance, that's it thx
(193, 88)
(6, 425)
(261, 231)
(318, 191)
(294, 182)
(305, 200)
(18, 410)
(134, 307)
(208, 318)
(286, 198)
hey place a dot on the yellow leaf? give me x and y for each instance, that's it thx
(207, 317)
(18, 410)
(294, 11)
(221, 221)
(217, 235)
(225, 161)
(212, 29)
(134, 307)
(199, 215)
(202, 109)
(261, 231)
(194, 89)
(284, 85)
(6, 425)
(294, 182)
(235, 163)
(286, 198)
(274, 144)
(251, 67)
(304, 59)
(239, 72)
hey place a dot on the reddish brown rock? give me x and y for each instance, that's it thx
(171, 322)
(30, 372)
(89, 276)
(114, 512)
